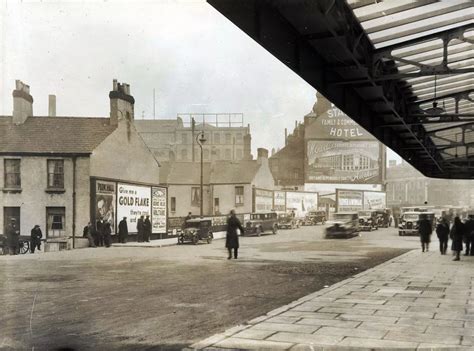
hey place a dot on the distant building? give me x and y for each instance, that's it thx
(226, 185)
(62, 172)
(175, 140)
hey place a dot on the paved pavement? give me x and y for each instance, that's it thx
(414, 301)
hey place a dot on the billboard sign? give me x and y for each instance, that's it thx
(105, 202)
(279, 201)
(263, 200)
(159, 209)
(301, 202)
(374, 200)
(133, 201)
(349, 200)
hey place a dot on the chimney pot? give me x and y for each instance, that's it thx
(52, 105)
(22, 102)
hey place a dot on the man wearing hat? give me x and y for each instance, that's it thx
(13, 237)
(123, 230)
(35, 238)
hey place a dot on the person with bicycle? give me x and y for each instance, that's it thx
(13, 237)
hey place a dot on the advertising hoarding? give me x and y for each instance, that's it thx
(263, 200)
(374, 200)
(279, 201)
(349, 200)
(301, 202)
(159, 208)
(133, 201)
(105, 202)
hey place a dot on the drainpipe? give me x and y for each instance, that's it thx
(74, 202)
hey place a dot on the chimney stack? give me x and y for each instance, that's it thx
(121, 103)
(22, 102)
(247, 147)
(52, 105)
(262, 156)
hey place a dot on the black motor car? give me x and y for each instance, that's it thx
(195, 230)
(368, 220)
(287, 221)
(315, 217)
(343, 225)
(260, 223)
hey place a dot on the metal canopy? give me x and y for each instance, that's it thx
(402, 69)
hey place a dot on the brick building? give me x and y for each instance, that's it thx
(175, 140)
(62, 172)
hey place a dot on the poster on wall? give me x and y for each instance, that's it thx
(105, 202)
(279, 201)
(331, 161)
(301, 202)
(263, 200)
(159, 208)
(133, 201)
(374, 200)
(349, 200)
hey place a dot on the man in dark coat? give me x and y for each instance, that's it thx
(147, 229)
(232, 239)
(456, 234)
(35, 238)
(425, 229)
(469, 235)
(88, 232)
(140, 229)
(123, 230)
(13, 237)
(100, 232)
(107, 234)
(442, 231)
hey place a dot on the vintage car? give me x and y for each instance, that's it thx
(287, 221)
(409, 222)
(368, 220)
(195, 230)
(383, 218)
(315, 217)
(343, 225)
(260, 223)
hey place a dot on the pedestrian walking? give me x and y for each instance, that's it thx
(425, 229)
(107, 234)
(35, 238)
(123, 230)
(469, 235)
(88, 232)
(140, 229)
(100, 232)
(13, 237)
(232, 239)
(456, 234)
(147, 229)
(442, 231)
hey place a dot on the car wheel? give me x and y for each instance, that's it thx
(275, 229)
(195, 240)
(259, 231)
(181, 240)
(209, 238)
(400, 234)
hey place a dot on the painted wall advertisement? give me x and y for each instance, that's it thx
(159, 207)
(338, 150)
(105, 202)
(374, 200)
(349, 200)
(133, 201)
(301, 202)
(279, 201)
(263, 200)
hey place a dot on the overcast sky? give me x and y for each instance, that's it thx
(195, 59)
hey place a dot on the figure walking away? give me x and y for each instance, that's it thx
(100, 232)
(442, 231)
(35, 238)
(123, 230)
(232, 239)
(456, 235)
(469, 235)
(147, 229)
(425, 229)
(107, 234)
(140, 229)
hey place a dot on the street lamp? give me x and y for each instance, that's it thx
(201, 139)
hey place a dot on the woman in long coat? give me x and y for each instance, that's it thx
(232, 239)
(456, 234)
(425, 229)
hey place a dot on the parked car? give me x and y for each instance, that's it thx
(368, 220)
(260, 223)
(383, 218)
(195, 230)
(315, 217)
(409, 222)
(343, 225)
(287, 221)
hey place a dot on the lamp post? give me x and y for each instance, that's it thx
(201, 140)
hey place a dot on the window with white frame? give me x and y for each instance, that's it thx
(56, 174)
(12, 172)
(239, 195)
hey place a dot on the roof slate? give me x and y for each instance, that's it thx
(63, 135)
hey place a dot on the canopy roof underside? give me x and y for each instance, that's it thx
(403, 69)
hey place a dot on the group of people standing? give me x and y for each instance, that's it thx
(458, 232)
(143, 229)
(101, 233)
(11, 245)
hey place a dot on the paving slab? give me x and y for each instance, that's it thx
(408, 302)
